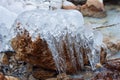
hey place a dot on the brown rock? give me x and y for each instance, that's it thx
(31, 52)
(2, 77)
(113, 64)
(78, 1)
(52, 79)
(38, 54)
(69, 7)
(111, 71)
(96, 3)
(63, 76)
(11, 78)
(5, 59)
(107, 75)
(76, 79)
(43, 74)
(91, 11)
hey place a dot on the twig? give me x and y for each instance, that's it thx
(106, 26)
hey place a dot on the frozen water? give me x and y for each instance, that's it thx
(7, 17)
(60, 27)
(10, 9)
(19, 6)
(53, 26)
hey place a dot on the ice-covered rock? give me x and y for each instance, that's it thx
(62, 34)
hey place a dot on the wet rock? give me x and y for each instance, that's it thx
(11, 78)
(63, 76)
(40, 73)
(113, 64)
(5, 59)
(76, 79)
(107, 75)
(78, 2)
(52, 79)
(91, 11)
(2, 77)
(92, 8)
(40, 55)
(68, 5)
(65, 51)
(14, 67)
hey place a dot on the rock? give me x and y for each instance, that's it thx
(113, 64)
(76, 79)
(107, 75)
(52, 79)
(5, 59)
(2, 77)
(11, 78)
(14, 67)
(92, 8)
(78, 2)
(110, 70)
(63, 76)
(40, 73)
(40, 55)
(68, 5)
(91, 11)
(54, 48)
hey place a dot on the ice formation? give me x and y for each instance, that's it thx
(60, 26)
(55, 27)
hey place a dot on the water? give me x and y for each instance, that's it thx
(66, 36)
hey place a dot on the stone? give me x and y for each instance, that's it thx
(5, 59)
(78, 2)
(107, 75)
(52, 45)
(2, 77)
(40, 55)
(40, 73)
(113, 64)
(68, 5)
(11, 78)
(63, 76)
(91, 11)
